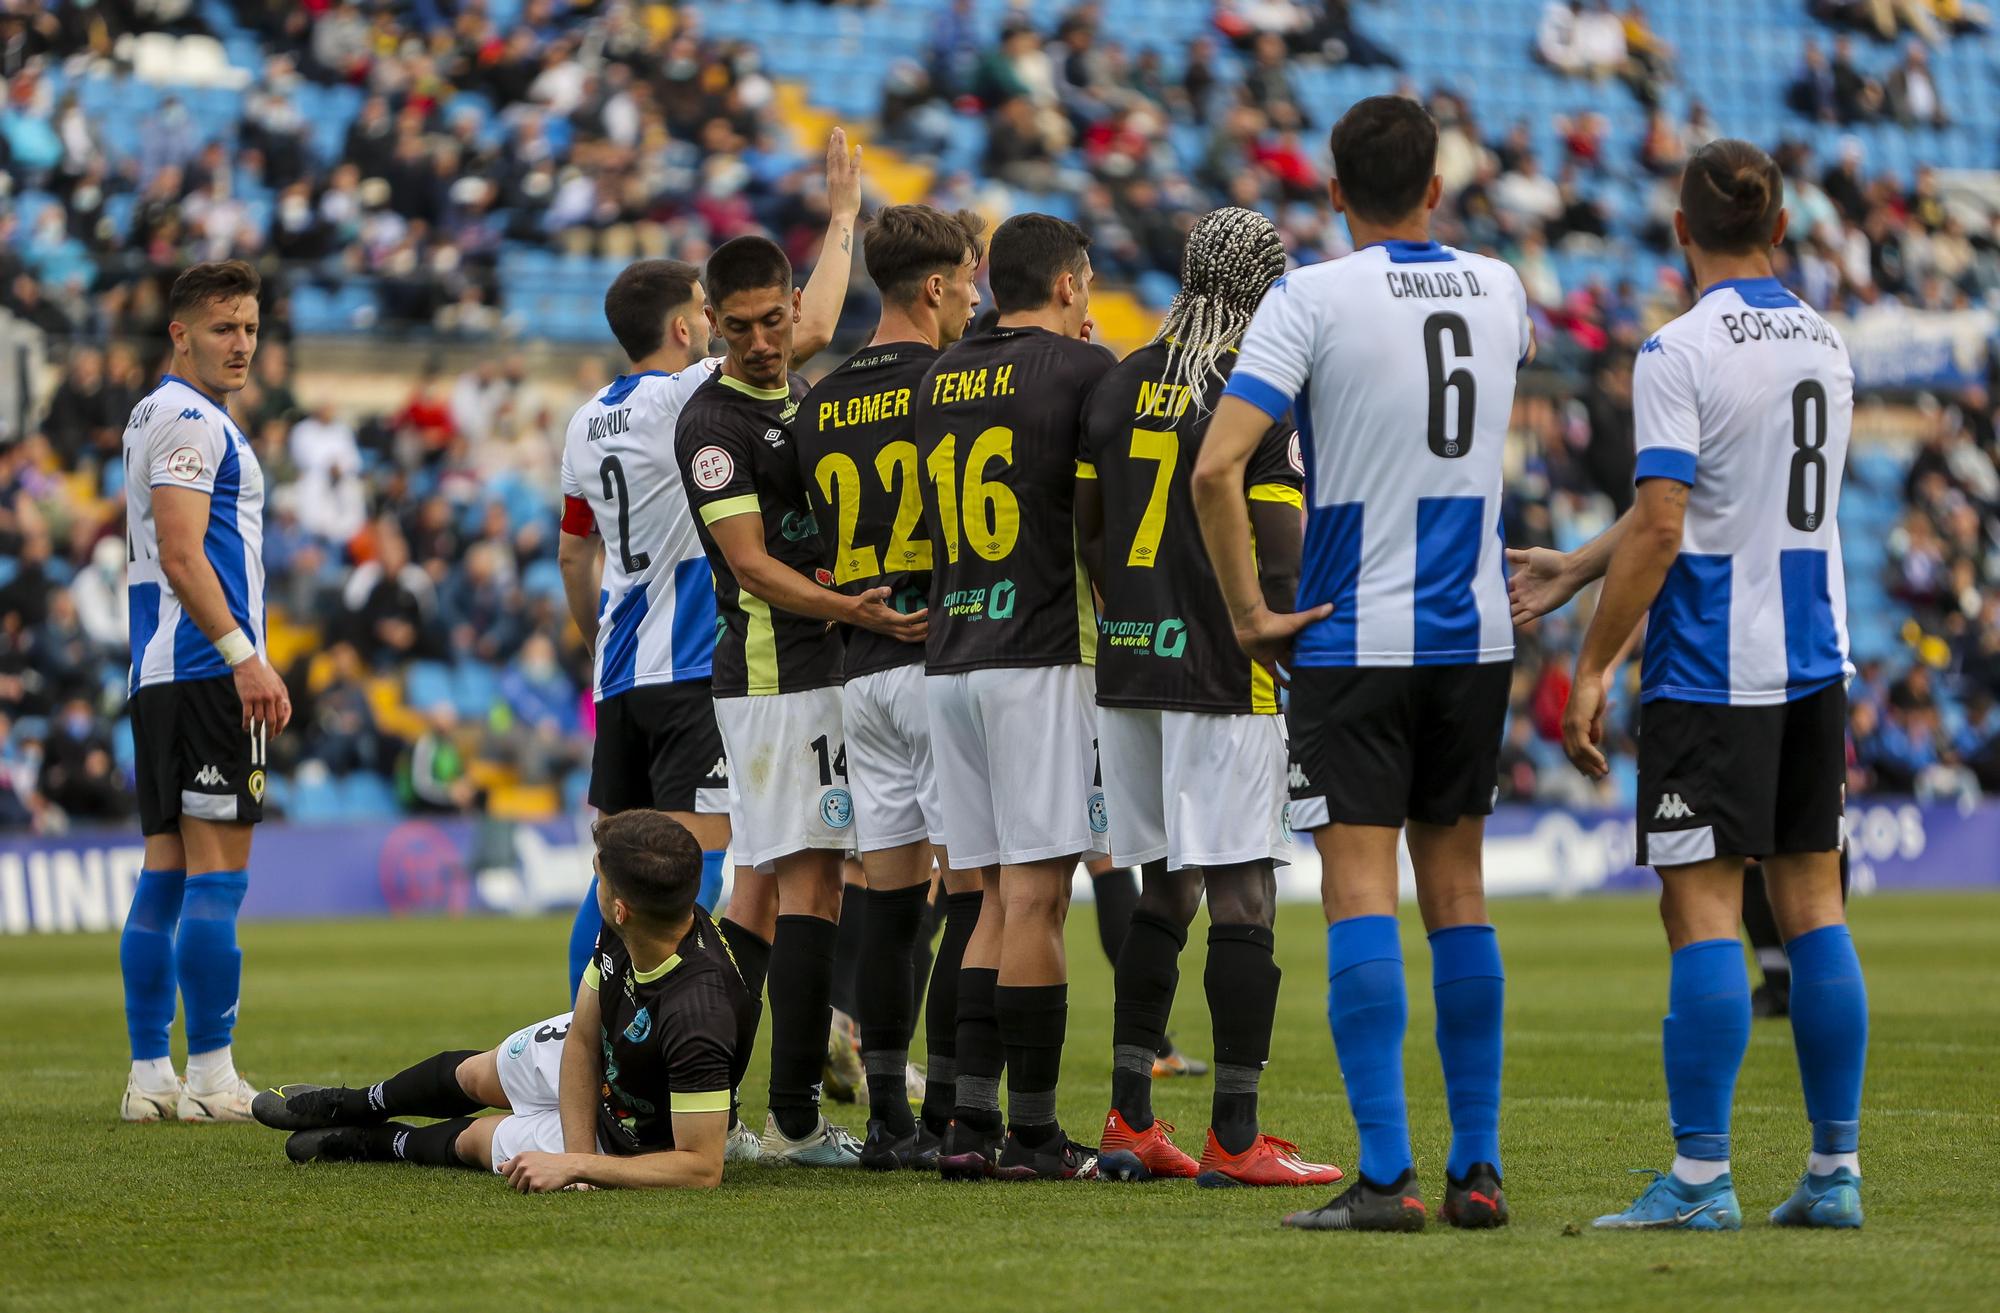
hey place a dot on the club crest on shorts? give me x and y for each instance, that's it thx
(256, 786)
(516, 1044)
(1100, 818)
(642, 1026)
(836, 808)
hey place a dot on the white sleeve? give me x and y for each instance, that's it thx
(1666, 419)
(1527, 320)
(1276, 359)
(571, 486)
(186, 451)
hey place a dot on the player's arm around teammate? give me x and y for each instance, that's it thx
(205, 700)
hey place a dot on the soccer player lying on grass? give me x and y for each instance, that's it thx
(630, 1089)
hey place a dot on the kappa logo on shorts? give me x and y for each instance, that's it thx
(1298, 778)
(1671, 808)
(720, 770)
(836, 808)
(1100, 817)
(210, 778)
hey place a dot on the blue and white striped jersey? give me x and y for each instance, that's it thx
(1749, 399)
(656, 607)
(1397, 364)
(180, 437)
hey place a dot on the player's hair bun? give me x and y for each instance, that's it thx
(1731, 194)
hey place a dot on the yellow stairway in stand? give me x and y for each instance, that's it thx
(1123, 324)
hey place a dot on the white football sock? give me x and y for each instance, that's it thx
(211, 1070)
(1694, 1171)
(1826, 1164)
(153, 1073)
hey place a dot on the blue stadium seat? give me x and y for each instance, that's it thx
(427, 684)
(366, 796)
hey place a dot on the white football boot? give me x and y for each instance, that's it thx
(827, 1146)
(143, 1105)
(231, 1103)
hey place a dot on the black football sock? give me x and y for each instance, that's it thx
(428, 1089)
(981, 1056)
(921, 957)
(884, 994)
(1033, 1022)
(1116, 893)
(847, 948)
(961, 913)
(395, 1142)
(801, 978)
(752, 953)
(1241, 980)
(1148, 973)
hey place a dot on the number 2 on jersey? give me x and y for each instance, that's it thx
(988, 512)
(1163, 448)
(613, 473)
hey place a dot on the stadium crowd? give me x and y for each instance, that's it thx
(427, 533)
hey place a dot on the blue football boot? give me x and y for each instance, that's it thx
(1833, 1200)
(1671, 1204)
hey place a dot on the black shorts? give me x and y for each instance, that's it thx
(1719, 781)
(1382, 745)
(194, 758)
(657, 746)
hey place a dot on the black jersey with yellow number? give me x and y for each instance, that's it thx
(1165, 640)
(673, 1039)
(997, 420)
(736, 450)
(857, 444)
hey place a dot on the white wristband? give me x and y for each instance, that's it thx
(235, 647)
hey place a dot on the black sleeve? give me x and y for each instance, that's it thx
(713, 453)
(1277, 460)
(697, 1045)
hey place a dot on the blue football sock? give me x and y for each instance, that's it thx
(146, 957)
(1704, 1036)
(1470, 987)
(1368, 1009)
(583, 937)
(207, 960)
(710, 892)
(1830, 1031)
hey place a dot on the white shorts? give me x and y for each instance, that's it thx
(1197, 788)
(889, 766)
(530, 1064)
(787, 775)
(1017, 764)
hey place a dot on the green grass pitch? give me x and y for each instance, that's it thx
(94, 1214)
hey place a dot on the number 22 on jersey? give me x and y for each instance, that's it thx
(839, 479)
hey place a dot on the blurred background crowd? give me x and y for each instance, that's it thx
(437, 192)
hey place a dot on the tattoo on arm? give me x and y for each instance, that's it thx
(845, 238)
(1677, 493)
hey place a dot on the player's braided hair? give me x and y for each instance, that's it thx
(1233, 256)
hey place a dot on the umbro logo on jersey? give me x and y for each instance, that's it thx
(1671, 808)
(776, 437)
(210, 778)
